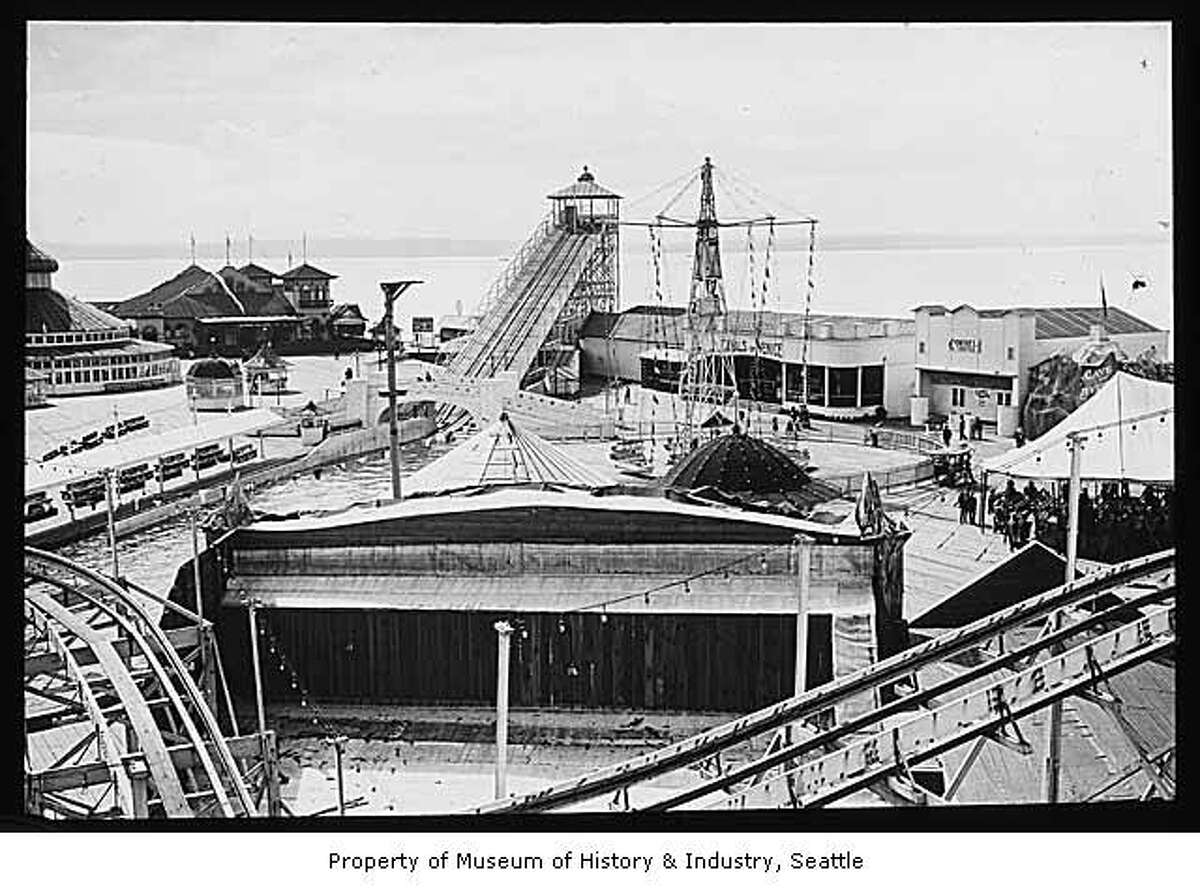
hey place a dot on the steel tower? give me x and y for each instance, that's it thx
(708, 380)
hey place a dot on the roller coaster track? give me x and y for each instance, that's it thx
(812, 762)
(115, 721)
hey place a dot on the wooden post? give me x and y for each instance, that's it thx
(804, 569)
(109, 482)
(341, 787)
(258, 688)
(504, 633)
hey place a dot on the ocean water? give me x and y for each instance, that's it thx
(879, 282)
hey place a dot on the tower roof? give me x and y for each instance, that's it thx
(38, 261)
(584, 187)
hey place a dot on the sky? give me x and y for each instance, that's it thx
(146, 133)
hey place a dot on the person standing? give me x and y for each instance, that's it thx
(946, 434)
(1019, 436)
(962, 426)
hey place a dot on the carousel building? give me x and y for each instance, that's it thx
(75, 348)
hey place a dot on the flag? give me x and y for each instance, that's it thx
(1103, 301)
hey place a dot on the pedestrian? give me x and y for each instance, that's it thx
(1019, 436)
(962, 425)
(774, 424)
(964, 499)
(971, 505)
(946, 434)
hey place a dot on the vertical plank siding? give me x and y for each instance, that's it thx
(629, 661)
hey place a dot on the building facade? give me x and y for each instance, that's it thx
(79, 349)
(856, 365)
(977, 361)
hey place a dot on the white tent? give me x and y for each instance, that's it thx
(502, 454)
(1129, 431)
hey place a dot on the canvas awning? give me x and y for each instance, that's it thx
(1129, 431)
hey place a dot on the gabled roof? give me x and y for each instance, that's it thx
(346, 311)
(238, 280)
(306, 272)
(503, 455)
(151, 302)
(266, 304)
(253, 270)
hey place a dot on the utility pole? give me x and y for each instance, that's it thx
(109, 494)
(391, 292)
(341, 784)
(193, 515)
(504, 631)
(1053, 757)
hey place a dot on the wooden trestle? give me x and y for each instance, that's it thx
(116, 724)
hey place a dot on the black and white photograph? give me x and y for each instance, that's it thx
(481, 419)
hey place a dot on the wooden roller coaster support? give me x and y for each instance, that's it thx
(814, 701)
(1023, 656)
(867, 760)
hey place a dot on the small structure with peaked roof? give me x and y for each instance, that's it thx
(503, 455)
(266, 371)
(76, 348)
(346, 321)
(584, 205)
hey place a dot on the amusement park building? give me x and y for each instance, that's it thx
(77, 348)
(855, 364)
(978, 360)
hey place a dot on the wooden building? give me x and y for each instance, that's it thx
(621, 601)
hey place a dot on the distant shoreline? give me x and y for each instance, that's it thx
(351, 248)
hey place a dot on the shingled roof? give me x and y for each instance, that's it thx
(306, 272)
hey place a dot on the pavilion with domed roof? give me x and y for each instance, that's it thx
(79, 349)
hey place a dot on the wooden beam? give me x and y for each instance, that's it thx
(181, 638)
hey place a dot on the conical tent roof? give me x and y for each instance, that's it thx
(502, 454)
(1129, 425)
(266, 357)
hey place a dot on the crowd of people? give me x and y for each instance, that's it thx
(1114, 523)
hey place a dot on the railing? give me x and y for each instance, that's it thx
(891, 439)
(504, 279)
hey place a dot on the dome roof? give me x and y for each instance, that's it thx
(741, 470)
(213, 369)
(37, 261)
(48, 311)
(736, 463)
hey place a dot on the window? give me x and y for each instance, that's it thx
(1004, 399)
(958, 396)
(843, 387)
(872, 385)
(921, 347)
(1011, 352)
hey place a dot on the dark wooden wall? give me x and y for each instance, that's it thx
(636, 661)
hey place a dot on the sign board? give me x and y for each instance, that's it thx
(421, 324)
(984, 395)
(965, 345)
